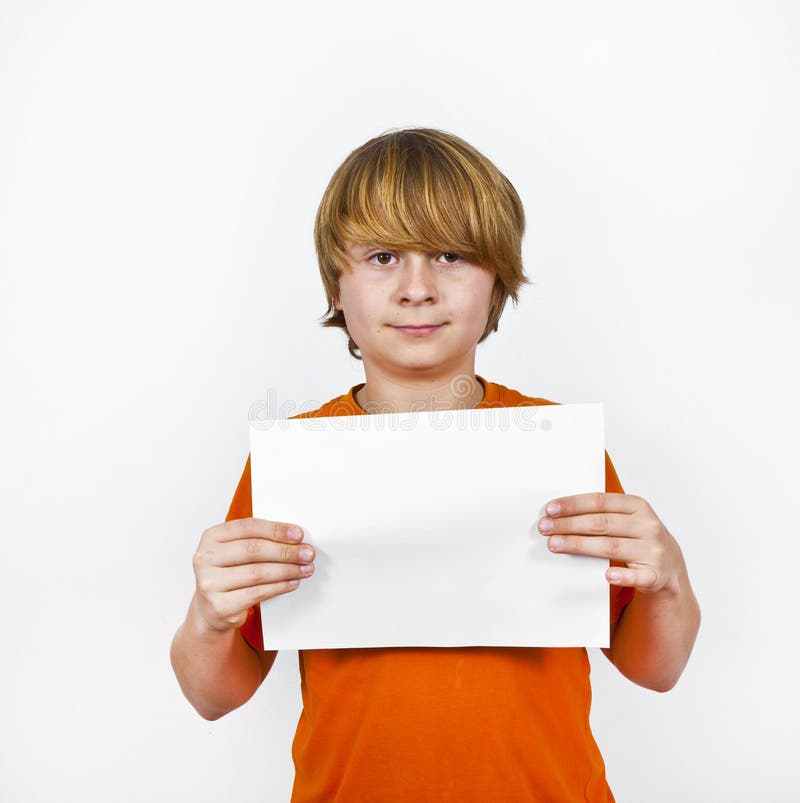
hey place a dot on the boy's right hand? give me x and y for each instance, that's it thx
(243, 561)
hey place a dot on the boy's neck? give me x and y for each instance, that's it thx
(463, 392)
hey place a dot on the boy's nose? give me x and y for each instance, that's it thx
(417, 279)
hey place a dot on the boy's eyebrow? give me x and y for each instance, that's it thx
(360, 250)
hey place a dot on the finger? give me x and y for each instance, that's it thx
(217, 580)
(253, 551)
(644, 579)
(593, 503)
(232, 604)
(626, 550)
(236, 529)
(617, 524)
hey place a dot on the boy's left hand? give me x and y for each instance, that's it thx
(620, 527)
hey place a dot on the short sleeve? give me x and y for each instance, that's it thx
(242, 508)
(620, 595)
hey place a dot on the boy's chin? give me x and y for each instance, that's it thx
(431, 364)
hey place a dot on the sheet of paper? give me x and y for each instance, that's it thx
(425, 530)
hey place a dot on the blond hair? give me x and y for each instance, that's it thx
(421, 189)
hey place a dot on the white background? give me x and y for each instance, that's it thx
(160, 168)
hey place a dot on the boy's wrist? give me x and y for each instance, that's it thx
(199, 627)
(676, 590)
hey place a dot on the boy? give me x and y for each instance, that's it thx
(419, 243)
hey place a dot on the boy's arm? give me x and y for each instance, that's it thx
(217, 670)
(653, 638)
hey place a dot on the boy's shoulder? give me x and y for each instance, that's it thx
(345, 404)
(495, 395)
(498, 395)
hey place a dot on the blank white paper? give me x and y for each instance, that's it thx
(425, 527)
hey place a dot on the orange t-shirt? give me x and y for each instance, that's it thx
(461, 724)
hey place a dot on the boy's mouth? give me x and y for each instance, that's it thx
(419, 329)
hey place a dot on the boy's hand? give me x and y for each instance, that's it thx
(243, 561)
(620, 527)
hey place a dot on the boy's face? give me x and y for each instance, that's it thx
(386, 290)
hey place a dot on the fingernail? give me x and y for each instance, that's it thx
(555, 542)
(307, 568)
(554, 508)
(614, 574)
(306, 553)
(295, 533)
(546, 525)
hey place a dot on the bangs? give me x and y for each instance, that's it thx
(414, 198)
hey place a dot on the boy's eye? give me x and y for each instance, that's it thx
(383, 258)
